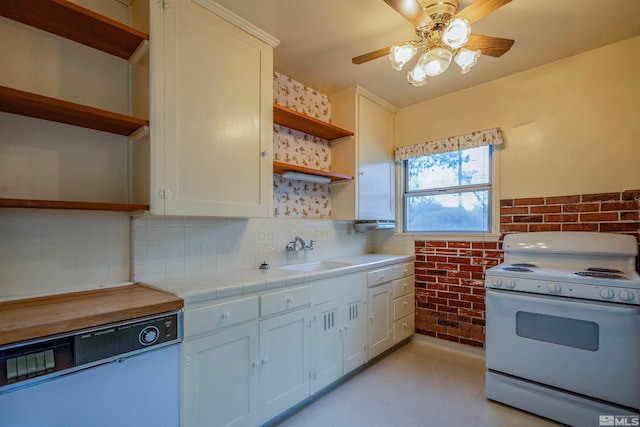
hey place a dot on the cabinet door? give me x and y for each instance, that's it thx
(326, 347)
(284, 355)
(380, 319)
(375, 170)
(216, 115)
(220, 376)
(354, 341)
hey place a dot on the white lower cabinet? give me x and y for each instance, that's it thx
(339, 339)
(246, 360)
(284, 359)
(220, 375)
(380, 319)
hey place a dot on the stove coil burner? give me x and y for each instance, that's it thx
(599, 274)
(603, 270)
(516, 268)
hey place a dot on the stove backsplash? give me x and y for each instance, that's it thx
(450, 274)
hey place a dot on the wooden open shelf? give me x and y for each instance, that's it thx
(75, 23)
(279, 168)
(60, 204)
(292, 119)
(42, 107)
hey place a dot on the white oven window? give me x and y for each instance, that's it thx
(574, 333)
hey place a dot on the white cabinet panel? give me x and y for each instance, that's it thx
(219, 378)
(284, 356)
(213, 110)
(219, 316)
(380, 319)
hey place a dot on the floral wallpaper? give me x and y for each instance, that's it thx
(292, 198)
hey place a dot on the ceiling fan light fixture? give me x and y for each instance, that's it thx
(417, 77)
(466, 59)
(457, 33)
(401, 54)
(435, 61)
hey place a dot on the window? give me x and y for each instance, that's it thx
(449, 192)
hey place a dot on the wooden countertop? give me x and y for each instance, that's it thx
(31, 318)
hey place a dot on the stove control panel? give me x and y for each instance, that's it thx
(565, 289)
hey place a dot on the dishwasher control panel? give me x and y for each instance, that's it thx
(29, 362)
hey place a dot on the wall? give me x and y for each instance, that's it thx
(570, 126)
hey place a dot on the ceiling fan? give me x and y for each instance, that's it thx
(444, 34)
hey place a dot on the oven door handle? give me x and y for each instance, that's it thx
(561, 302)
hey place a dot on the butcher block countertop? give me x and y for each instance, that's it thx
(31, 318)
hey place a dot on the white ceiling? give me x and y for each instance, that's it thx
(318, 38)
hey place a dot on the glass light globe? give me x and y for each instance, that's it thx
(466, 59)
(417, 77)
(457, 33)
(401, 54)
(435, 61)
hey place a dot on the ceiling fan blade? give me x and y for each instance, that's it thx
(479, 9)
(371, 55)
(411, 11)
(487, 45)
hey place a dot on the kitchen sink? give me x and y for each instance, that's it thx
(315, 266)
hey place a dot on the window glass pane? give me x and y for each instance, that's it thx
(462, 211)
(465, 167)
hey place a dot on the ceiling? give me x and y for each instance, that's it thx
(318, 38)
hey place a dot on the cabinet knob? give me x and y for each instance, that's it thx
(289, 300)
(265, 361)
(255, 364)
(225, 315)
(264, 153)
(381, 278)
(371, 317)
(361, 173)
(404, 325)
(405, 286)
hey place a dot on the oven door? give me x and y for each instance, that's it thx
(587, 347)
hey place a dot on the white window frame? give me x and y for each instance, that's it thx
(494, 207)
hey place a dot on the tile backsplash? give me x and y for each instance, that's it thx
(164, 248)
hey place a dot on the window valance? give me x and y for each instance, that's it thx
(453, 143)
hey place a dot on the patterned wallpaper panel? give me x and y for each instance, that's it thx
(292, 198)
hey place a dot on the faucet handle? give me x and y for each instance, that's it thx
(291, 246)
(311, 242)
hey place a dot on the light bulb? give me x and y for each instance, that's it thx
(417, 77)
(435, 61)
(466, 59)
(401, 54)
(457, 33)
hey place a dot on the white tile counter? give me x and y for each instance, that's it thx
(194, 289)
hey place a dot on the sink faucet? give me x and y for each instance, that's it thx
(293, 245)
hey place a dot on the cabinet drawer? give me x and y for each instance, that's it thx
(402, 270)
(403, 286)
(404, 328)
(288, 299)
(219, 316)
(403, 306)
(381, 275)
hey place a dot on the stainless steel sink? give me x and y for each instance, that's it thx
(315, 266)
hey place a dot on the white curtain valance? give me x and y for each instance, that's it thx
(453, 143)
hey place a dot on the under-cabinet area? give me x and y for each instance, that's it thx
(258, 345)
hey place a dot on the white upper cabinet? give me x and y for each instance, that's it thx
(371, 195)
(211, 113)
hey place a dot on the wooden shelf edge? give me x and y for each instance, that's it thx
(301, 122)
(62, 204)
(76, 23)
(43, 107)
(279, 168)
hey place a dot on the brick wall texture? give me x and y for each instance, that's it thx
(450, 274)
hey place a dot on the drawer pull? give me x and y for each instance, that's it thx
(406, 303)
(405, 324)
(405, 286)
(381, 278)
(225, 315)
(289, 300)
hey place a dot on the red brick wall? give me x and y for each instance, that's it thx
(450, 274)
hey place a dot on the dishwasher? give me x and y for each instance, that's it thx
(115, 375)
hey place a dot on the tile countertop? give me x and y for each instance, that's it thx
(194, 289)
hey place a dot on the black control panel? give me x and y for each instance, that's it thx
(27, 362)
